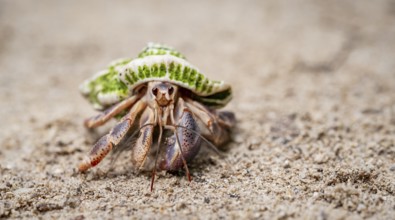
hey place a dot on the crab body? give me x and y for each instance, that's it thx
(159, 90)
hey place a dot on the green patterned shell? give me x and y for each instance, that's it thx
(155, 63)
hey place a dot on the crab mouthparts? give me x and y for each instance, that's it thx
(162, 99)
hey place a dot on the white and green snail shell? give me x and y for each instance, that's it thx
(156, 62)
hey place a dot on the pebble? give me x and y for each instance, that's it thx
(286, 164)
(320, 158)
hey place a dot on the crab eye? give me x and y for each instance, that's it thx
(171, 90)
(155, 91)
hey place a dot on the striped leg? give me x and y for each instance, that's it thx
(109, 113)
(107, 142)
(144, 141)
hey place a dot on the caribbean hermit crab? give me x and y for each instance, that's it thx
(157, 94)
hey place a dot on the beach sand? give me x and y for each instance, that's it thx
(314, 97)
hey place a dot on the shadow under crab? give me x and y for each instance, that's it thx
(166, 101)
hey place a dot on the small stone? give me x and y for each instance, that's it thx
(286, 164)
(320, 158)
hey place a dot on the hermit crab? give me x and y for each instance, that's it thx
(168, 103)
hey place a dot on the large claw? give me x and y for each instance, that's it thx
(184, 137)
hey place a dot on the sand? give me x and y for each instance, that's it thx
(314, 96)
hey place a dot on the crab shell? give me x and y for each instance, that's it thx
(156, 62)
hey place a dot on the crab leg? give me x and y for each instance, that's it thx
(218, 123)
(106, 115)
(107, 142)
(144, 141)
(224, 118)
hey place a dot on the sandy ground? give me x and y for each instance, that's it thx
(314, 94)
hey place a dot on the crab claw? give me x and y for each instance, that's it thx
(183, 144)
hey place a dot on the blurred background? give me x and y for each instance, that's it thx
(298, 69)
(49, 47)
